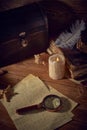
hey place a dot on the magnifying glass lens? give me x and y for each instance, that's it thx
(52, 102)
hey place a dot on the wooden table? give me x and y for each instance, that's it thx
(78, 93)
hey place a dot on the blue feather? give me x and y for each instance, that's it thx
(69, 39)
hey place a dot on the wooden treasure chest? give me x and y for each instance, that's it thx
(23, 33)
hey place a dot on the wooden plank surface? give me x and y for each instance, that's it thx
(78, 93)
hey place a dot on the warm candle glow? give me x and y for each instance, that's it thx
(56, 66)
(57, 59)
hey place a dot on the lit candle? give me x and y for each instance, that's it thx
(56, 66)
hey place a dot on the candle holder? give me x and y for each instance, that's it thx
(56, 66)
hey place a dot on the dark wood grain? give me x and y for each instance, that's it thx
(78, 93)
(18, 71)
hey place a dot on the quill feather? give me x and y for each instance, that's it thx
(69, 39)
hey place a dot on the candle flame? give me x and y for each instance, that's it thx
(57, 59)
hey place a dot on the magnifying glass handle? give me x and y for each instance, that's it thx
(28, 108)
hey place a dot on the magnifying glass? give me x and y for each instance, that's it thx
(50, 103)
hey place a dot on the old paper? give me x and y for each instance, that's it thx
(31, 90)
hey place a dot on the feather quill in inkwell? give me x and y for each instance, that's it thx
(67, 40)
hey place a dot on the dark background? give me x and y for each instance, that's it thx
(61, 13)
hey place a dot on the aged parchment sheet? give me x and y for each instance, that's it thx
(31, 90)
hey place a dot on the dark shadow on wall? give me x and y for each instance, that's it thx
(60, 16)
